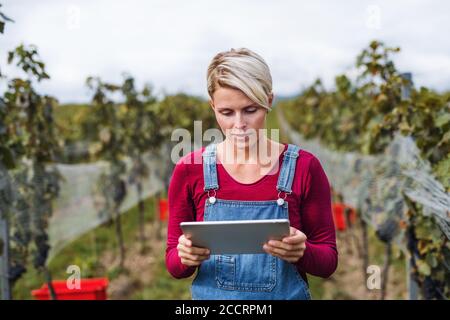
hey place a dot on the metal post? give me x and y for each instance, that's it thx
(411, 284)
(413, 288)
(406, 89)
(4, 260)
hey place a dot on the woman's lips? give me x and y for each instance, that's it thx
(241, 136)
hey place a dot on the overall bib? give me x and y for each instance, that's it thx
(248, 276)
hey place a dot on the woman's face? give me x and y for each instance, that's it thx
(239, 118)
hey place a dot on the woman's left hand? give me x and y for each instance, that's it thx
(290, 248)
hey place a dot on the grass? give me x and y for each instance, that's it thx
(397, 268)
(164, 287)
(272, 123)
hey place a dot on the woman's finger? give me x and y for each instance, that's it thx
(193, 250)
(281, 252)
(292, 231)
(291, 259)
(190, 263)
(185, 241)
(192, 257)
(285, 246)
(295, 252)
(298, 237)
(197, 251)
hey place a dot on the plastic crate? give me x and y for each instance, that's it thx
(339, 216)
(163, 209)
(90, 289)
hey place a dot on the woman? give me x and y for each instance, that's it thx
(233, 181)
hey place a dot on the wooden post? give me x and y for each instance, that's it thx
(365, 247)
(387, 264)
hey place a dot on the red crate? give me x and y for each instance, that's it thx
(90, 289)
(163, 209)
(339, 215)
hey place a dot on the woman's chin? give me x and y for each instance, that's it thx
(241, 143)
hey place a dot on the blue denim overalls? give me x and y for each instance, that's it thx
(248, 276)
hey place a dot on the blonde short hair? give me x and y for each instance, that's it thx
(244, 70)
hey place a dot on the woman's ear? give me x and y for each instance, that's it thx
(211, 104)
(270, 100)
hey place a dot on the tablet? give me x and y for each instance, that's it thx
(235, 236)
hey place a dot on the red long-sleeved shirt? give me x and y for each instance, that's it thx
(309, 208)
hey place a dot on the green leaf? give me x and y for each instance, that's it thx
(7, 157)
(422, 232)
(442, 171)
(10, 57)
(423, 268)
(442, 120)
(432, 260)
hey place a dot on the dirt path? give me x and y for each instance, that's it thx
(349, 281)
(138, 266)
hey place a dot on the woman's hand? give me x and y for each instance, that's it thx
(290, 248)
(191, 256)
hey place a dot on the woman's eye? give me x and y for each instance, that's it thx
(248, 110)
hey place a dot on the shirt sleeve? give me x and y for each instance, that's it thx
(321, 256)
(181, 209)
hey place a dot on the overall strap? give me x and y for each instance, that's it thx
(287, 170)
(209, 167)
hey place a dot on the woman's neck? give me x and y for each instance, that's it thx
(260, 153)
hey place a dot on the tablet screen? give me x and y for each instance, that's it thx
(235, 236)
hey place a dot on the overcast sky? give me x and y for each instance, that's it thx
(170, 43)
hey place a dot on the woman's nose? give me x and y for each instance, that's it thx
(239, 122)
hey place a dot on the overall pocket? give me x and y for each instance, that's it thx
(246, 272)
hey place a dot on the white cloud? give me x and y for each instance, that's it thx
(170, 43)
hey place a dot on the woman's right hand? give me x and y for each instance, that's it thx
(191, 256)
